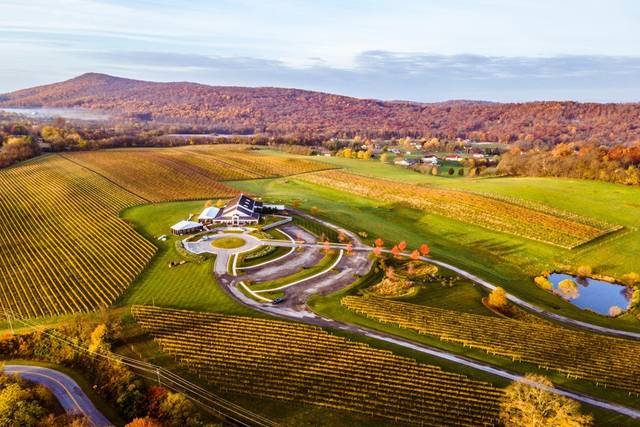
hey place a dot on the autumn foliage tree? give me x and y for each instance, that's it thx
(144, 422)
(498, 298)
(584, 271)
(528, 402)
(543, 283)
(395, 251)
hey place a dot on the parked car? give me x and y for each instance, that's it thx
(278, 300)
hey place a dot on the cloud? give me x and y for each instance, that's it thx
(414, 76)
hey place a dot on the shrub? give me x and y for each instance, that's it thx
(584, 271)
(498, 298)
(615, 311)
(543, 283)
(569, 289)
(144, 422)
(451, 171)
(177, 411)
(631, 279)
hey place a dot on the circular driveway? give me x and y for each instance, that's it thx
(204, 244)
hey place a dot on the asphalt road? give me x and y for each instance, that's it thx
(65, 389)
(300, 312)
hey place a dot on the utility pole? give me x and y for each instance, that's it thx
(6, 313)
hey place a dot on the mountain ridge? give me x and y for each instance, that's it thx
(274, 110)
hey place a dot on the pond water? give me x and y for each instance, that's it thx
(592, 294)
(65, 113)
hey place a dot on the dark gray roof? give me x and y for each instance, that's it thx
(242, 205)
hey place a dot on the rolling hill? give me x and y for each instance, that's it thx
(294, 111)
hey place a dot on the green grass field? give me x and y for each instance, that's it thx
(191, 285)
(260, 255)
(228, 243)
(506, 260)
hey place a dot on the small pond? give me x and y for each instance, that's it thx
(65, 113)
(596, 295)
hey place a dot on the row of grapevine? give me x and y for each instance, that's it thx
(544, 225)
(185, 173)
(606, 361)
(151, 175)
(63, 248)
(300, 363)
(267, 165)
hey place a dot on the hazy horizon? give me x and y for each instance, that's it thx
(431, 51)
(313, 90)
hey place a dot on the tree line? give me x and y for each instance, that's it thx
(618, 164)
(78, 344)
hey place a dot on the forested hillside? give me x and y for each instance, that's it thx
(293, 111)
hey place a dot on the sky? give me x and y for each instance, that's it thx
(422, 50)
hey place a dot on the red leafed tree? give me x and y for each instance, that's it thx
(402, 245)
(379, 242)
(415, 254)
(349, 248)
(326, 247)
(424, 249)
(156, 395)
(377, 250)
(395, 251)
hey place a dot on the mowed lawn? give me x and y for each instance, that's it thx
(501, 258)
(191, 285)
(617, 204)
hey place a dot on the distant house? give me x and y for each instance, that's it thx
(186, 227)
(430, 159)
(405, 162)
(242, 210)
(454, 158)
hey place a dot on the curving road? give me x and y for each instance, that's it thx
(301, 313)
(536, 309)
(65, 389)
(557, 317)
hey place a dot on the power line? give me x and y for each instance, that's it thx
(174, 382)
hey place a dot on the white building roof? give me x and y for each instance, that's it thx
(276, 207)
(186, 225)
(209, 213)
